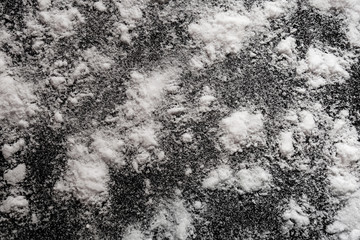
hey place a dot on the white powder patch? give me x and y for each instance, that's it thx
(227, 32)
(108, 148)
(322, 68)
(295, 217)
(347, 220)
(351, 9)
(100, 6)
(131, 14)
(61, 22)
(347, 153)
(187, 137)
(15, 99)
(17, 204)
(287, 47)
(96, 60)
(224, 32)
(253, 179)
(342, 182)
(286, 145)
(218, 176)
(242, 129)
(307, 122)
(174, 220)
(146, 92)
(245, 180)
(133, 234)
(10, 149)
(15, 175)
(86, 180)
(44, 4)
(86, 176)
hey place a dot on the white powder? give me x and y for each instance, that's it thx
(56, 82)
(100, 6)
(15, 99)
(187, 137)
(86, 176)
(10, 149)
(287, 47)
(321, 68)
(15, 175)
(58, 117)
(44, 4)
(96, 60)
(147, 90)
(307, 123)
(347, 153)
(286, 144)
(108, 148)
(253, 179)
(342, 182)
(227, 32)
(246, 180)
(295, 216)
(224, 32)
(61, 22)
(347, 220)
(351, 10)
(17, 204)
(218, 176)
(242, 129)
(87, 181)
(174, 220)
(133, 234)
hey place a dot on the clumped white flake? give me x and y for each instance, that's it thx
(287, 47)
(350, 9)
(286, 144)
(15, 99)
(347, 153)
(10, 149)
(322, 68)
(61, 22)
(174, 220)
(252, 179)
(245, 180)
(87, 181)
(18, 204)
(44, 4)
(100, 6)
(342, 181)
(295, 216)
(217, 176)
(347, 220)
(16, 175)
(242, 129)
(307, 123)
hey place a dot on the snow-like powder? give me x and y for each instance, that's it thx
(242, 129)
